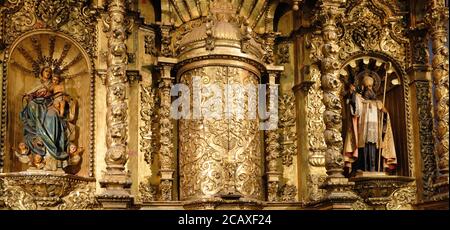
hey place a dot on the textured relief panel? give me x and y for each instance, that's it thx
(221, 155)
(426, 137)
(76, 18)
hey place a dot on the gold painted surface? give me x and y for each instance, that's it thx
(220, 156)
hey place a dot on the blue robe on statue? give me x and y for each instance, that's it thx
(44, 129)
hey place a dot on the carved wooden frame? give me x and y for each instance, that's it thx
(4, 110)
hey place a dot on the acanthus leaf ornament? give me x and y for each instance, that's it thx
(146, 130)
(288, 136)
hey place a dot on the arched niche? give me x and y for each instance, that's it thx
(397, 100)
(25, 57)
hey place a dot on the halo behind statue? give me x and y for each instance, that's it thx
(376, 79)
(38, 60)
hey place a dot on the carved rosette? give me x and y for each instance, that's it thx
(219, 156)
(437, 19)
(116, 180)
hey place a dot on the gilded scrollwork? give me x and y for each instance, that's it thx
(209, 163)
(41, 190)
(147, 117)
(150, 44)
(288, 193)
(16, 198)
(402, 199)
(360, 205)
(147, 193)
(366, 28)
(314, 183)
(81, 198)
(76, 18)
(288, 144)
(315, 123)
(283, 55)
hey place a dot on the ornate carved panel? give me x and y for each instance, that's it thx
(76, 18)
(219, 156)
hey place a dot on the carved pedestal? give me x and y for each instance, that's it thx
(33, 190)
(382, 192)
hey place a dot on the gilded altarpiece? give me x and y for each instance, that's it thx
(118, 61)
(220, 156)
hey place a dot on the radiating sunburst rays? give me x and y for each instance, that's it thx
(37, 59)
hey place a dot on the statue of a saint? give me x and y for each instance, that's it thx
(369, 132)
(46, 117)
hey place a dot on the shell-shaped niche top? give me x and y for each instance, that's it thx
(37, 51)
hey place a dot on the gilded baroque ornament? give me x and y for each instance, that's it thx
(402, 199)
(116, 179)
(288, 193)
(315, 123)
(76, 18)
(426, 137)
(147, 192)
(370, 26)
(331, 85)
(41, 190)
(314, 183)
(211, 165)
(166, 146)
(288, 136)
(147, 112)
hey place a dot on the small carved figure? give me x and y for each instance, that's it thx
(75, 154)
(59, 101)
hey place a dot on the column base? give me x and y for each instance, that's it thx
(441, 189)
(117, 191)
(115, 202)
(339, 195)
(223, 204)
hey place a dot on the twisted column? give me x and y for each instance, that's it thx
(331, 85)
(437, 18)
(166, 148)
(116, 180)
(272, 140)
(336, 184)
